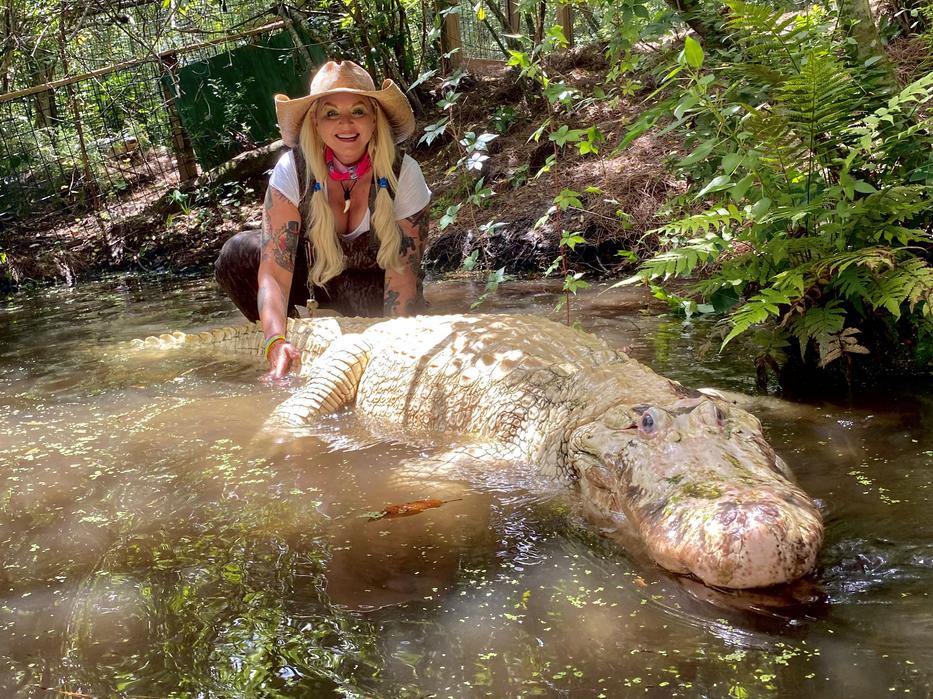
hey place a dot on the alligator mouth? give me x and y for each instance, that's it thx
(758, 540)
(600, 487)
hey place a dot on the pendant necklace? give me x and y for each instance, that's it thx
(352, 173)
(346, 194)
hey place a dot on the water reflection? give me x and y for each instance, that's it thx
(153, 546)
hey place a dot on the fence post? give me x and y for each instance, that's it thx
(511, 9)
(565, 20)
(450, 37)
(184, 153)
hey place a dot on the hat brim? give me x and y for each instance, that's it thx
(291, 112)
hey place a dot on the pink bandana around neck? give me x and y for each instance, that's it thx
(354, 172)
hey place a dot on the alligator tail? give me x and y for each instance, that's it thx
(241, 338)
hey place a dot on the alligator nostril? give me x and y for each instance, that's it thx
(769, 511)
(727, 516)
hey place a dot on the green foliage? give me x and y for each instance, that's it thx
(493, 280)
(817, 182)
(504, 118)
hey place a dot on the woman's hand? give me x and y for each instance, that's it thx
(281, 356)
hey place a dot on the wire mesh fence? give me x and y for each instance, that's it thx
(585, 26)
(118, 138)
(75, 146)
(121, 134)
(482, 29)
(476, 37)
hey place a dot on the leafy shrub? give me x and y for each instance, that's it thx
(816, 178)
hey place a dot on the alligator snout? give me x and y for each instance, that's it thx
(755, 539)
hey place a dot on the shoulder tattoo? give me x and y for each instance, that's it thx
(281, 243)
(405, 244)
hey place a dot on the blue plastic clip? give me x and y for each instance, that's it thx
(317, 186)
(383, 182)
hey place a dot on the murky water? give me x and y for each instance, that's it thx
(152, 547)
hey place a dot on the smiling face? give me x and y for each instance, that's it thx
(346, 123)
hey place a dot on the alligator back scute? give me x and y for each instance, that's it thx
(513, 379)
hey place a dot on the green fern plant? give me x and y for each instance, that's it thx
(817, 181)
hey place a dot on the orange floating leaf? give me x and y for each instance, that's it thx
(409, 508)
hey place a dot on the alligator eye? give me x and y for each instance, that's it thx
(708, 414)
(647, 423)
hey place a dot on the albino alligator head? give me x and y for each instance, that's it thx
(706, 491)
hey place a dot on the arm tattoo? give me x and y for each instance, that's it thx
(285, 245)
(391, 302)
(407, 243)
(284, 241)
(419, 222)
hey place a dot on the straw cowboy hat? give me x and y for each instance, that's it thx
(345, 76)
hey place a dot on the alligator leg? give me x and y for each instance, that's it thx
(446, 474)
(334, 377)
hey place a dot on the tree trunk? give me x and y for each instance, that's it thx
(701, 20)
(856, 21)
(305, 60)
(46, 106)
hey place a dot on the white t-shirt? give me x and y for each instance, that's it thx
(411, 196)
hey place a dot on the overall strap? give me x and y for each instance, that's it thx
(304, 199)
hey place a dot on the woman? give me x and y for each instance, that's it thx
(342, 200)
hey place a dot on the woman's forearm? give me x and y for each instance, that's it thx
(279, 247)
(273, 305)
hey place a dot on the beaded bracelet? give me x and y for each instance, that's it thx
(269, 342)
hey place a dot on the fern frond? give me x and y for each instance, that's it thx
(899, 203)
(795, 251)
(781, 149)
(873, 259)
(836, 345)
(750, 266)
(711, 221)
(819, 103)
(681, 261)
(758, 309)
(818, 322)
(792, 214)
(768, 34)
(855, 283)
(910, 282)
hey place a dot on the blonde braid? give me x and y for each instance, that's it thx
(386, 228)
(320, 227)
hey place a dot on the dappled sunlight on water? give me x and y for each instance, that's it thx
(156, 544)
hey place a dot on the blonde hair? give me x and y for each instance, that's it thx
(329, 260)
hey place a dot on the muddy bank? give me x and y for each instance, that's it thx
(620, 197)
